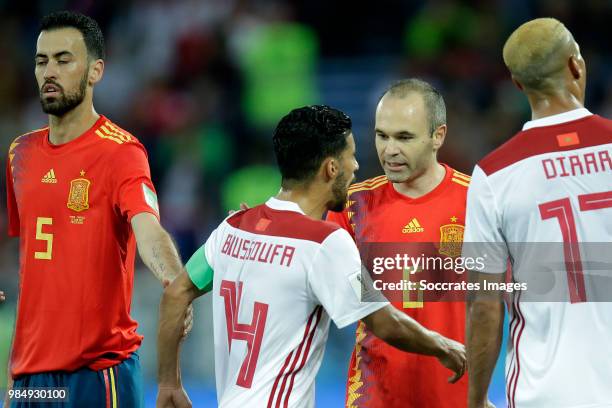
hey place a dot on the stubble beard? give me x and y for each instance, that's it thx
(65, 102)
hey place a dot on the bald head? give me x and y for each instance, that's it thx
(537, 53)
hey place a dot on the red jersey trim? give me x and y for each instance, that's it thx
(287, 224)
(543, 139)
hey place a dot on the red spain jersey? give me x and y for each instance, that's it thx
(381, 376)
(71, 207)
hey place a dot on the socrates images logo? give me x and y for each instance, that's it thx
(413, 226)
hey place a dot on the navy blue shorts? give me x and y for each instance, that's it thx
(119, 386)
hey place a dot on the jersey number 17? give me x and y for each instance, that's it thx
(562, 210)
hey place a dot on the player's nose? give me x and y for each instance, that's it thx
(50, 71)
(391, 148)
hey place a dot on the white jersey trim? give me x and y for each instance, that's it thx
(563, 117)
(283, 205)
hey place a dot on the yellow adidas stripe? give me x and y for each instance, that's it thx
(460, 175)
(113, 388)
(119, 130)
(416, 223)
(120, 135)
(104, 136)
(112, 133)
(462, 182)
(370, 187)
(369, 181)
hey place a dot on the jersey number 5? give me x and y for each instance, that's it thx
(562, 210)
(41, 236)
(251, 333)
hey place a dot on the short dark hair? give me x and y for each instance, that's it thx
(92, 35)
(434, 102)
(307, 136)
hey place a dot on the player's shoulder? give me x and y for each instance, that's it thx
(31, 135)
(112, 135)
(26, 139)
(373, 185)
(264, 220)
(587, 131)
(505, 155)
(458, 179)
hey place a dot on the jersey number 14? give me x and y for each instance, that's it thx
(251, 333)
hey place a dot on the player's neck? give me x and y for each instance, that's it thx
(548, 105)
(423, 183)
(312, 204)
(64, 129)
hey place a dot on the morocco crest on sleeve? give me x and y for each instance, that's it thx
(78, 198)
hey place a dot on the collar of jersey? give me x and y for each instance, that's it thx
(568, 116)
(73, 144)
(437, 190)
(283, 205)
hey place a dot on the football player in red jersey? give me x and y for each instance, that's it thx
(80, 199)
(417, 200)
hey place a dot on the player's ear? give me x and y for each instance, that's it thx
(439, 135)
(331, 168)
(574, 67)
(96, 71)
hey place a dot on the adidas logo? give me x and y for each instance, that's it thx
(413, 226)
(49, 178)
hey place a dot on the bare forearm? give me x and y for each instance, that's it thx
(161, 257)
(405, 333)
(485, 320)
(171, 313)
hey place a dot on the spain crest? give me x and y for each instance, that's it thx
(451, 239)
(78, 198)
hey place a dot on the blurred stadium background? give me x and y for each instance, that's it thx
(202, 83)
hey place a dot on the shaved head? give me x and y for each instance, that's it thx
(436, 109)
(537, 53)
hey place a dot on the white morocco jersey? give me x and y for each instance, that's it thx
(551, 183)
(279, 278)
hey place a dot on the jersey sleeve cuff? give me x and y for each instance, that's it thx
(144, 209)
(367, 310)
(199, 270)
